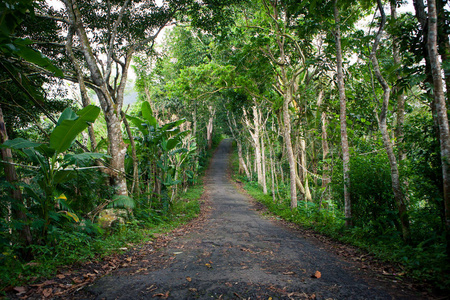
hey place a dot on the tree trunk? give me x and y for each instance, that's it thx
(395, 176)
(272, 167)
(400, 96)
(233, 127)
(81, 84)
(286, 128)
(209, 126)
(116, 149)
(254, 128)
(441, 109)
(343, 119)
(16, 194)
(443, 41)
(256, 136)
(249, 164)
(303, 170)
(241, 160)
(325, 150)
(135, 185)
(263, 162)
(110, 100)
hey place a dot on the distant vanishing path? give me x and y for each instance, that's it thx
(237, 254)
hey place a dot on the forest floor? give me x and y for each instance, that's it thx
(235, 250)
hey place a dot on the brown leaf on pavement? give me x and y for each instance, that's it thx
(47, 282)
(20, 290)
(316, 275)
(162, 295)
(47, 292)
(289, 273)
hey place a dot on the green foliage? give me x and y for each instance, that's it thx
(371, 191)
(122, 201)
(164, 154)
(12, 14)
(52, 170)
(79, 242)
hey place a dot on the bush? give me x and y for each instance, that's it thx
(371, 192)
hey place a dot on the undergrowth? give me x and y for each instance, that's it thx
(89, 242)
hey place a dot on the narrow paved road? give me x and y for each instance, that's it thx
(237, 254)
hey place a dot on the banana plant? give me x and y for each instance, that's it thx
(53, 167)
(158, 144)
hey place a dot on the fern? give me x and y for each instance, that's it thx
(122, 201)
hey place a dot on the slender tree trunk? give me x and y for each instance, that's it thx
(400, 96)
(272, 167)
(263, 162)
(209, 126)
(343, 119)
(254, 128)
(303, 170)
(241, 160)
(395, 176)
(441, 109)
(135, 185)
(256, 136)
(233, 127)
(325, 150)
(17, 207)
(249, 164)
(286, 128)
(422, 17)
(443, 41)
(82, 86)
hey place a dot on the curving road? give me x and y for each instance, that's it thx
(237, 254)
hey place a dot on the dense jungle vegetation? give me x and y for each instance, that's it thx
(338, 110)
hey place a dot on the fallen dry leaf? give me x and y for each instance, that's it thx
(161, 295)
(20, 290)
(208, 265)
(47, 282)
(316, 275)
(61, 276)
(152, 288)
(193, 290)
(288, 273)
(47, 292)
(189, 279)
(77, 280)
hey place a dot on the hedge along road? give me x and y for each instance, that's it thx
(237, 254)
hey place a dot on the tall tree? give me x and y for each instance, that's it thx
(395, 175)
(342, 116)
(441, 111)
(17, 206)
